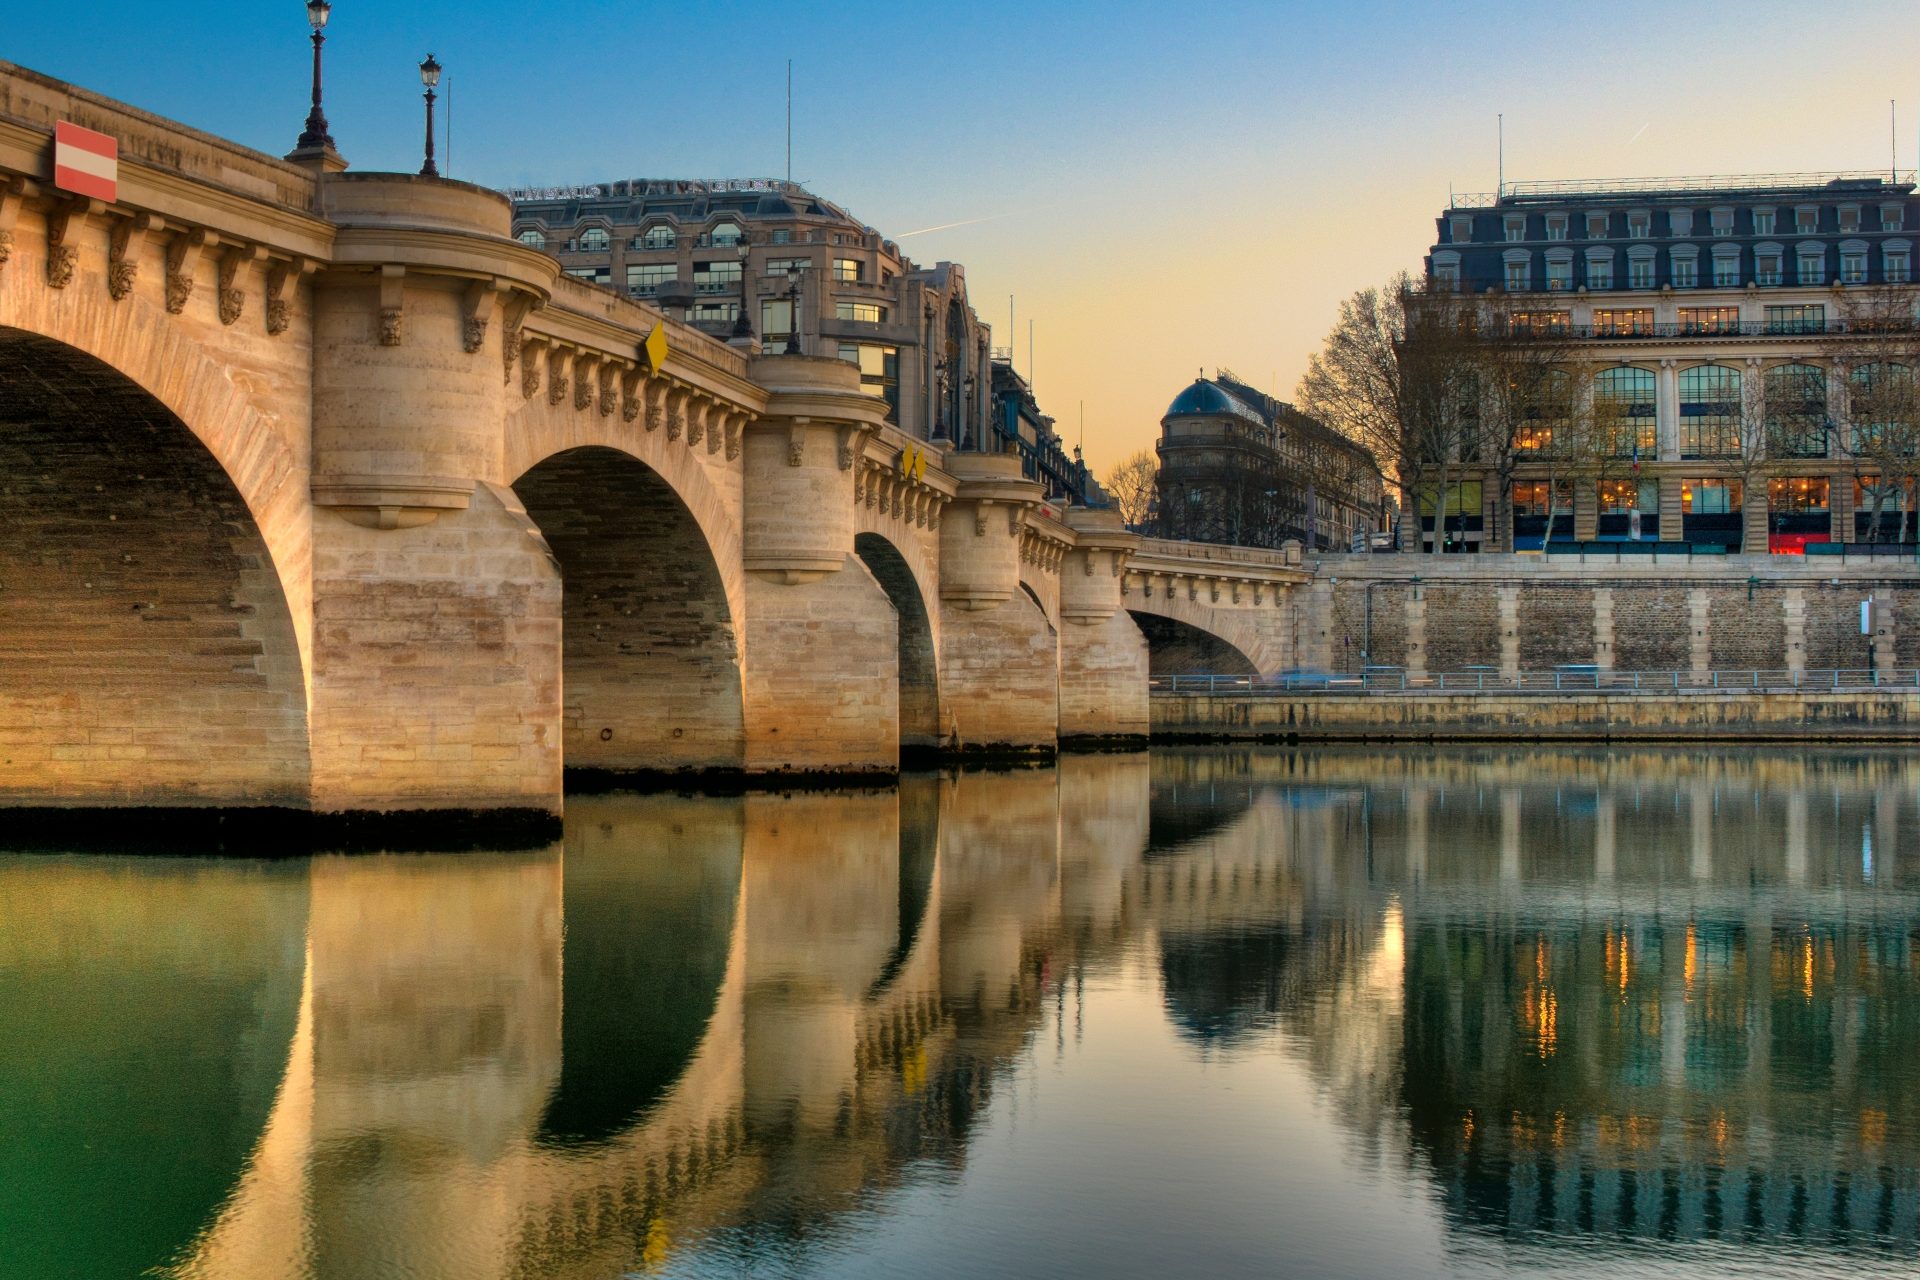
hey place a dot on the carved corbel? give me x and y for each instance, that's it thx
(631, 405)
(282, 279)
(980, 510)
(393, 297)
(853, 444)
(677, 412)
(233, 299)
(697, 412)
(655, 393)
(736, 430)
(1014, 514)
(797, 444)
(1256, 593)
(13, 195)
(532, 364)
(558, 361)
(477, 312)
(512, 334)
(124, 243)
(717, 430)
(922, 509)
(1235, 589)
(609, 388)
(585, 367)
(1193, 589)
(65, 221)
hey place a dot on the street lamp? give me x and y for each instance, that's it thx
(316, 137)
(429, 76)
(793, 313)
(742, 326)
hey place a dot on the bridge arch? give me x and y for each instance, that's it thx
(915, 606)
(1183, 639)
(149, 652)
(651, 672)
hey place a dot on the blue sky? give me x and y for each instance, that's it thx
(1162, 187)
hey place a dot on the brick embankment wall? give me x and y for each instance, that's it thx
(1723, 716)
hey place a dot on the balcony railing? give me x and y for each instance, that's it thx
(1572, 678)
(716, 286)
(1695, 329)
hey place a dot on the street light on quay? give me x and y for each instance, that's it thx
(430, 77)
(316, 137)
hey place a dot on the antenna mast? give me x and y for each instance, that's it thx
(789, 120)
(1501, 189)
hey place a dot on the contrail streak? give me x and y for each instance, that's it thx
(1636, 137)
(946, 226)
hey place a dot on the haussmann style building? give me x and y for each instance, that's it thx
(1697, 307)
(1238, 466)
(761, 262)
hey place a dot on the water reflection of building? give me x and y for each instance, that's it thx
(1642, 996)
(1645, 995)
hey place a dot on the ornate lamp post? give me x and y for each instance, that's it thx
(316, 137)
(793, 314)
(429, 76)
(742, 325)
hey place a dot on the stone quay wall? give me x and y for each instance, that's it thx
(1891, 715)
(1519, 613)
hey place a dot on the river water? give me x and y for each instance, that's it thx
(1215, 1012)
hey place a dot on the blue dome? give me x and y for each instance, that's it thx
(1201, 397)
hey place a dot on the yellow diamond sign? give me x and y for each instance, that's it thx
(655, 348)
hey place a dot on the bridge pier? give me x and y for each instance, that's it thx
(1103, 655)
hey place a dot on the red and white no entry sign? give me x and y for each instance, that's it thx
(85, 162)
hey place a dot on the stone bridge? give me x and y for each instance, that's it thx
(318, 490)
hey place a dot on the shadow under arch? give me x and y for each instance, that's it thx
(919, 663)
(143, 622)
(1176, 648)
(650, 652)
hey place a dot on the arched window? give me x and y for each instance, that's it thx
(595, 240)
(724, 233)
(1710, 412)
(533, 239)
(1623, 405)
(1796, 400)
(659, 236)
(1881, 410)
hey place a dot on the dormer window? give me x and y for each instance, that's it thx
(1516, 226)
(1596, 226)
(724, 233)
(1639, 224)
(1723, 221)
(1893, 217)
(595, 240)
(658, 237)
(1556, 226)
(1849, 217)
(1681, 222)
(533, 239)
(1460, 228)
(1806, 219)
(1763, 222)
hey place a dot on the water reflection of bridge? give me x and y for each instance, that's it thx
(1639, 997)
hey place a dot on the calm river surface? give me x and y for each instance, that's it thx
(1206, 1013)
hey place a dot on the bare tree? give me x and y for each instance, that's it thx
(1876, 354)
(1400, 376)
(1528, 410)
(1131, 482)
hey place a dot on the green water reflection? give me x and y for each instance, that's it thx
(1207, 1012)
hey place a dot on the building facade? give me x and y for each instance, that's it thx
(1238, 466)
(758, 261)
(1752, 339)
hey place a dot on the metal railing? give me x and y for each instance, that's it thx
(1631, 331)
(1555, 190)
(1567, 679)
